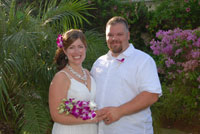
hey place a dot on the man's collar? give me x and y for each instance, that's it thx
(124, 54)
(129, 50)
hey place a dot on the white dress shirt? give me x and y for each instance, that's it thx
(119, 82)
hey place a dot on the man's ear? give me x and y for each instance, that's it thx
(128, 35)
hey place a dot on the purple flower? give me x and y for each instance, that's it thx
(187, 9)
(82, 109)
(59, 41)
(178, 51)
(115, 8)
(169, 62)
(89, 1)
(171, 89)
(195, 54)
(198, 79)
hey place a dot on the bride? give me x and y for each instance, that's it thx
(71, 81)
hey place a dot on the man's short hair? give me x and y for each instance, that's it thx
(116, 20)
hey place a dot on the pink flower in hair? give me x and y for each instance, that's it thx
(59, 41)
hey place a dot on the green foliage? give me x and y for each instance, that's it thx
(28, 34)
(69, 14)
(96, 47)
(136, 14)
(171, 14)
(35, 116)
(28, 46)
(179, 65)
(180, 104)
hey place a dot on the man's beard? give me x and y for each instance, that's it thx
(116, 49)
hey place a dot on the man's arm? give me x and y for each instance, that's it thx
(140, 102)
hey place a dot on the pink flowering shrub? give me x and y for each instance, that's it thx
(180, 50)
(179, 53)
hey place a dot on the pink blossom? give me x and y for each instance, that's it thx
(198, 79)
(89, 1)
(170, 89)
(59, 41)
(82, 109)
(160, 70)
(115, 7)
(195, 54)
(197, 43)
(169, 62)
(187, 9)
(127, 14)
(179, 71)
(190, 65)
(178, 51)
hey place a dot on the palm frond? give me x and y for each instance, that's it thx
(5, 4)
(72, 12)
(23, 39)
(12, 11)
(36, 117)
(96, 47)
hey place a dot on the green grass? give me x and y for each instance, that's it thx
(171, 131)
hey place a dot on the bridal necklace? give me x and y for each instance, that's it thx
(84, 77)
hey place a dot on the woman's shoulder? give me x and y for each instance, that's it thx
(61, 76)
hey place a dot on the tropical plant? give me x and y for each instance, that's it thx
(136, 13)
(96, 47)
(27, 44)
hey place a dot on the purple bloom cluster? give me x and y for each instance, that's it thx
(180, 50)
(177, 45)
(79, 109)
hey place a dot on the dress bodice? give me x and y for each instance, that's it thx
(78, 91)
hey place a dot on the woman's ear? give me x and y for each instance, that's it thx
(64, 51)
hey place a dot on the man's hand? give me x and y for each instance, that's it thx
(109, 114)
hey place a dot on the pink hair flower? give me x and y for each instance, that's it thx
(59, 41)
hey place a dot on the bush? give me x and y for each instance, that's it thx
(136, 13)
(180, 58)
(175, 13)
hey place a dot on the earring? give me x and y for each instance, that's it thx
(65, 57)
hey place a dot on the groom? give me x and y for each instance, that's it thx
(127, 84)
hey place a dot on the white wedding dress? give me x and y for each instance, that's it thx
(78, 91)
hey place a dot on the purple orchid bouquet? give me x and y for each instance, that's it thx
(79, 109)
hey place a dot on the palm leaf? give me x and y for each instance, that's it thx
(36, 117)
(96, 47)
(12, 10)
(69, 13)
